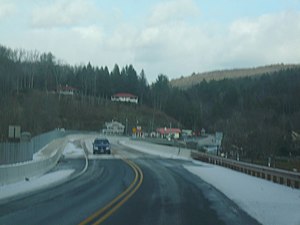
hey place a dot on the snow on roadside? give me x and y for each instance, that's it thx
(153, 149)
(89, 144)
(40, 154)
(39, 182)
(34, 183)
(269, 203)
(72, 151)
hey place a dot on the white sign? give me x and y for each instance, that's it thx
(14, 132)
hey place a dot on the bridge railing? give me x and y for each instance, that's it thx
(17, 152)
(21, 171)
(284, 177)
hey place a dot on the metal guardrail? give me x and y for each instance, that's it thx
(284, 177)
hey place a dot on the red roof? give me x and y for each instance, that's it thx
(124, 95)
(168, 130)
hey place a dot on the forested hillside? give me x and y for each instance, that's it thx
(194, 79)
(23, 70)
(28, 95)
(259, 115)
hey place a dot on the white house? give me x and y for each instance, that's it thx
(124, 97)
(66, 90)
(114, 127)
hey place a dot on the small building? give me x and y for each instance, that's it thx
(66, 90)
(124, 97)
(169, 133)
(203, 132)
(210, 143)
(187, 133)
(114, 128)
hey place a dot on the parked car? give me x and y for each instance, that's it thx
(101, 146)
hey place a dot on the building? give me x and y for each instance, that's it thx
(125, 97)
(187, 133)
(114, 127)
(66, 90)
(210, 143)
(169, 133)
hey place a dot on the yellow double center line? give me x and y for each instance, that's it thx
(105, 212)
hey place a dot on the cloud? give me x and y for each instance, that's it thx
(168, 39)
(6, 9)
(90, 33)
(171, 10)
(169, 42)
(270, 38)
(61, 13)
(180, 48)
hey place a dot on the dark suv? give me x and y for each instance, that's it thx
(101, 146)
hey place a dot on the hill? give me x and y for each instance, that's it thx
(258, 111)
(194, 79)
(37, 111)
(29, 81)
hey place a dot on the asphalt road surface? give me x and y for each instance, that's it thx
(137, 190)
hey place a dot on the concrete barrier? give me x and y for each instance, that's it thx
(156, 149)
(46, 160)
(284, 177)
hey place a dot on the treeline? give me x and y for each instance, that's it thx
(260, 116)
(28, 80)
(24, 70)
(194, 79)
(257, 115)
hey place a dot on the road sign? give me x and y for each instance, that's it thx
(134, 130)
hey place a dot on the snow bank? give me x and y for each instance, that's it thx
(269, 203)
(158, 150)
(41, 155)
(89, 144)
(72, 151)
(33, 184)
(38, 182)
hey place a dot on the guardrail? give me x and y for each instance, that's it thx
(21, 171)
(11, 153)
(288, 178)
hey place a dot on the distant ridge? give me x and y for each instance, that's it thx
(194, 79)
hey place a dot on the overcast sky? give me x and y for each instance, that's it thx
(172, 37)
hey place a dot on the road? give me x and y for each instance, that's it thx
(140, 190)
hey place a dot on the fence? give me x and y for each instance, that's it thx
(288, 178)
(11, 153)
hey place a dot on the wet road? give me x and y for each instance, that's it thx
(140, 190)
